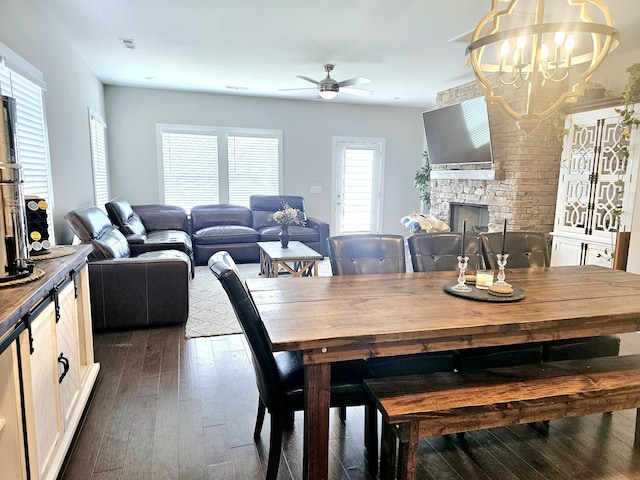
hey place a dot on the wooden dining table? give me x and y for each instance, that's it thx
(330, 319)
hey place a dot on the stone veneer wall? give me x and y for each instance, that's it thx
(527, 169)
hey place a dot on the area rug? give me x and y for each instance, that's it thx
(210, 313)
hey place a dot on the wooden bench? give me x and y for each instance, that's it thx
(417, 406)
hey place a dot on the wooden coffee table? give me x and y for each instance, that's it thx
(297, 260)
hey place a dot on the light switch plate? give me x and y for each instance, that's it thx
(316, 189)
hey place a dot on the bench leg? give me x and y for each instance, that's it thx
(388, 459)
(408, 451)
(637, 433)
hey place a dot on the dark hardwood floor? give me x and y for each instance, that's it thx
(169, 408)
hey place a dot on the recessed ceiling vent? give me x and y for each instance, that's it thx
(128, 43)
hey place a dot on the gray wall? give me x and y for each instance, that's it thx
(308, 128)
(71, 89)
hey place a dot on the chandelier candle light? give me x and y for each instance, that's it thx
(527, 45)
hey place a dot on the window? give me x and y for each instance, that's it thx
(99, 162)
(210, 165)
(24, 83)
(358, 165)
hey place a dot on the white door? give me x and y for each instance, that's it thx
(357, 202)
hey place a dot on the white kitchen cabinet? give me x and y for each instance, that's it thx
(12, 457)
(596, 190)
(58, 372)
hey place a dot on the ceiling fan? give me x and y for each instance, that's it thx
(328, 88)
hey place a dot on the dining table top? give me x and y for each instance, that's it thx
(347, 317)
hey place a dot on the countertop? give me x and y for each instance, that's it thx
(16, 301)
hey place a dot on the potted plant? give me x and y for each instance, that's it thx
(422, 180)
(595, 91)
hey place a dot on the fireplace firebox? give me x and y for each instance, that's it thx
(477, 217)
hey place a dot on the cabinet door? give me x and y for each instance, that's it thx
(12, 457)
(596, 184)
(565, 251)
(42, 392)
(68, 358)
(85, 333)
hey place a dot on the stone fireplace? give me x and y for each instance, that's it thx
(521, 187)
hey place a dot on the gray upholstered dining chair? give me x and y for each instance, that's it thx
(280, 376)
(525, 249)
(529, 250)
(438, 251)
(366, 254)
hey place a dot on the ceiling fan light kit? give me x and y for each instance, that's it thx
(328, 88)
(522, 44)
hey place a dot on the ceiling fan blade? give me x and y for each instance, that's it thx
(354, 81)
(292, 89)
(308, 79)
(356, 91)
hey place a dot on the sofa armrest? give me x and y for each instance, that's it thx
(323, 233)
(135, 239)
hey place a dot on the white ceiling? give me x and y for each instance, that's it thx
(404, 47)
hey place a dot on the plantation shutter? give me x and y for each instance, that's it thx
(214, 165)
(253, 167)
(98, 132)
(31, 133)
(190, 168)
(358, 190)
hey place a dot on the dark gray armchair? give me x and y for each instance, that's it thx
(127, 292)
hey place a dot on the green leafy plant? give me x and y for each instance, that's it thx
(626, 123)
(422, 180)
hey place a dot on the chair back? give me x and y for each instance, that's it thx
(438, 251)
(359, 254)
(264, 205)
(122, 216)
(91, 225)
(525, 249)
(267, 377)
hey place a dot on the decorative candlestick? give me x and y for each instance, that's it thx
(502, 262)
(504, 237)
(462, 266)
(464, 232)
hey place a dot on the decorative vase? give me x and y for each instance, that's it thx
(284, 236)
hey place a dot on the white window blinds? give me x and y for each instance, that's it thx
(190, 168)
(98, 132)
(212, 165)
(253, 167)
(31, 133)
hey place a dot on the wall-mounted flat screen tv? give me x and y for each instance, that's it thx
(459, 134)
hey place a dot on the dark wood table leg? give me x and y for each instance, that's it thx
(317, 396)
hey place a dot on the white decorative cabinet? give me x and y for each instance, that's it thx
(12, 458)
(59, 373)
(47, 369)
(594, 185)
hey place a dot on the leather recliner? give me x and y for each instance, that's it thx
(224, 227)
(313, 232)
(150, 289)
(150, 228)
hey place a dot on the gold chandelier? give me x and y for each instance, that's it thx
(530, 45)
